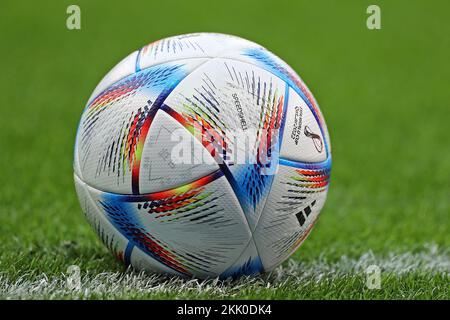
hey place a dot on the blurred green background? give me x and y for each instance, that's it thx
(385, 95)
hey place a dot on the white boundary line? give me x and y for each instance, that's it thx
(431, 260)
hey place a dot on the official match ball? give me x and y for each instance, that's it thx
(202, 155)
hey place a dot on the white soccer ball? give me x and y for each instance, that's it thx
(202, 155)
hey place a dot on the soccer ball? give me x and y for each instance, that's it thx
(202, 155)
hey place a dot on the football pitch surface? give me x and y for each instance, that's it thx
(385, 95)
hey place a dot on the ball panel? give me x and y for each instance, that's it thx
(302, 137)
(296, 198)
(187, 46)
(171, 156)
(242, 105)
(272, 63)
(114, 125)
(112, 239)
(195, 229)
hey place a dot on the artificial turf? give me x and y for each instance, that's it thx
(385, 95)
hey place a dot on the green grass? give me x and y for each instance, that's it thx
(385, 95)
